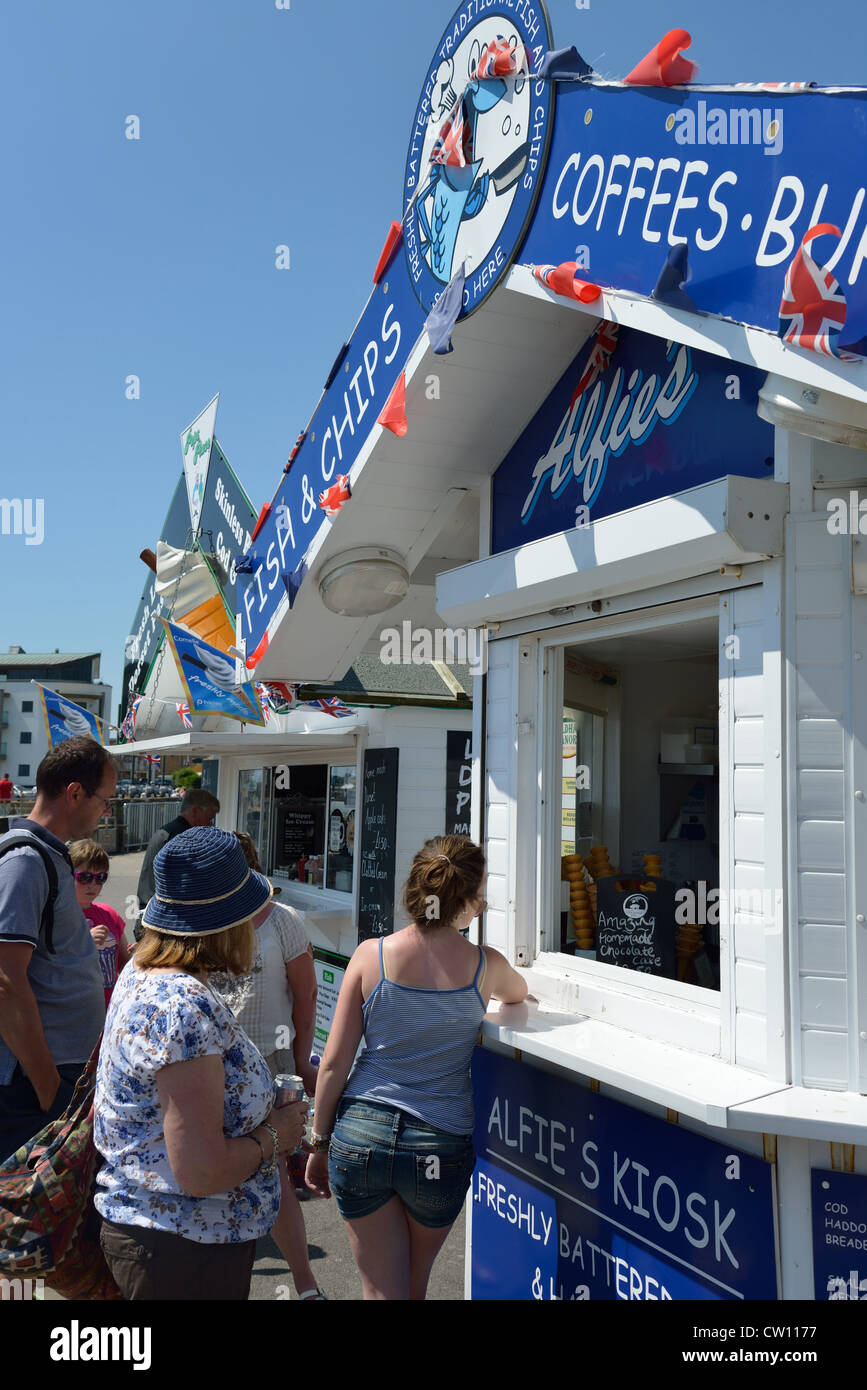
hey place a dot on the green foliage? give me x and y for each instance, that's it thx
(186, 777)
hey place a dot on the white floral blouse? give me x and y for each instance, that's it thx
(153, 1021)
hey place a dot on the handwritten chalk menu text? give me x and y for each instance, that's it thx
(635, 925)
(378, 836)
(459, 781)
(577, 1196)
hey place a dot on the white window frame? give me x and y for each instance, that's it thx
(667, 1010)
(342, 756)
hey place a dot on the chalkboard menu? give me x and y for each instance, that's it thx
(378, 835)
(459, 779)
(210, 774)
(636, 926)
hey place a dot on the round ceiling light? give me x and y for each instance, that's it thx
(363, 582)
(819, 414)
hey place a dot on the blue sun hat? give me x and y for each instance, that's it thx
(203, 885)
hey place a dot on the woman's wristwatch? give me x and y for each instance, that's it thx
(319, 1142)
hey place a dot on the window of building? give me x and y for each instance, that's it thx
(26, 706)
(302, 820)
(26, 737)
(23, 770)
(633, 806)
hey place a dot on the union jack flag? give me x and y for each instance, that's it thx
(333, 499)
(280, 695)
(501, 59)
(600, 355)
(813, 307)
(152, 759)
(333, 706)
(264, 701)
(184, 712)
(448, 148)
(773, 86)
(127, 728)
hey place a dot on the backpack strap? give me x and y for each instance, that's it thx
(20, 839)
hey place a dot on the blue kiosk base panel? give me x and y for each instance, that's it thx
(578, 1197)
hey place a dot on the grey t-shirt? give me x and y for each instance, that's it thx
(68, 985)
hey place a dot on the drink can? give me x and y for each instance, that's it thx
(289, 1089)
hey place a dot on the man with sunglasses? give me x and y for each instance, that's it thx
(52, 1004)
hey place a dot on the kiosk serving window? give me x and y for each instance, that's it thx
(313, 825)
(634, 753)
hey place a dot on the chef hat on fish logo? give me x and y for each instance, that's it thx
(444, 96)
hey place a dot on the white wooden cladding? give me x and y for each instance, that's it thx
(743, 794)
(500, 789)
(819, 643)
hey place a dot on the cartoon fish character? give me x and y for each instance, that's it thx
(453, 195)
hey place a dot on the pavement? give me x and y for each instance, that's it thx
(329, 1250)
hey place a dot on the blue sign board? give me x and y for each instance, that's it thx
(347, 413)
(660, 418)
(739, 176)
(577, 1197)
(839, 1236)
(478, 212)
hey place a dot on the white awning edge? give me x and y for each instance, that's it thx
(733, 521)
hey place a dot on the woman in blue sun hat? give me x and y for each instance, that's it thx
(184, 1108)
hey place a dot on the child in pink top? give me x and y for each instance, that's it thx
(90, 866)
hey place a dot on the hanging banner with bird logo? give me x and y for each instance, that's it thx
(208, 678)
(64, 720)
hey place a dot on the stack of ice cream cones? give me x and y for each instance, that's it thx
(598, 862)
(583, 913)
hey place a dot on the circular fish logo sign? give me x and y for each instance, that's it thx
(478, 149)
(635, 907)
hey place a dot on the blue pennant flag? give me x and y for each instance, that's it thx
(564, 62)
(293, 582)
(669, 287)
(445, 313)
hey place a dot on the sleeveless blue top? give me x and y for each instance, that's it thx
(419, 1048)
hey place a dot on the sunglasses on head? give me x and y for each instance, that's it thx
(87, 875)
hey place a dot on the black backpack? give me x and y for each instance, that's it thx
(16, 840)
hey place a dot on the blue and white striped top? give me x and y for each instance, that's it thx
(419, 1048)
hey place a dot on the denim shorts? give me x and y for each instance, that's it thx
(378, 1152)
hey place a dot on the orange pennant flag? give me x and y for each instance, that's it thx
(393, 415)
(663, 66)
(392, 241)
(562, 280)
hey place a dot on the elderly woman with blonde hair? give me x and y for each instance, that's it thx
(184, 1108)
(275, 1004)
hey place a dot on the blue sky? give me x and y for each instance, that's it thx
(156, 257)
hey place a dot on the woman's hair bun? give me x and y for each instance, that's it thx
(446, 874)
